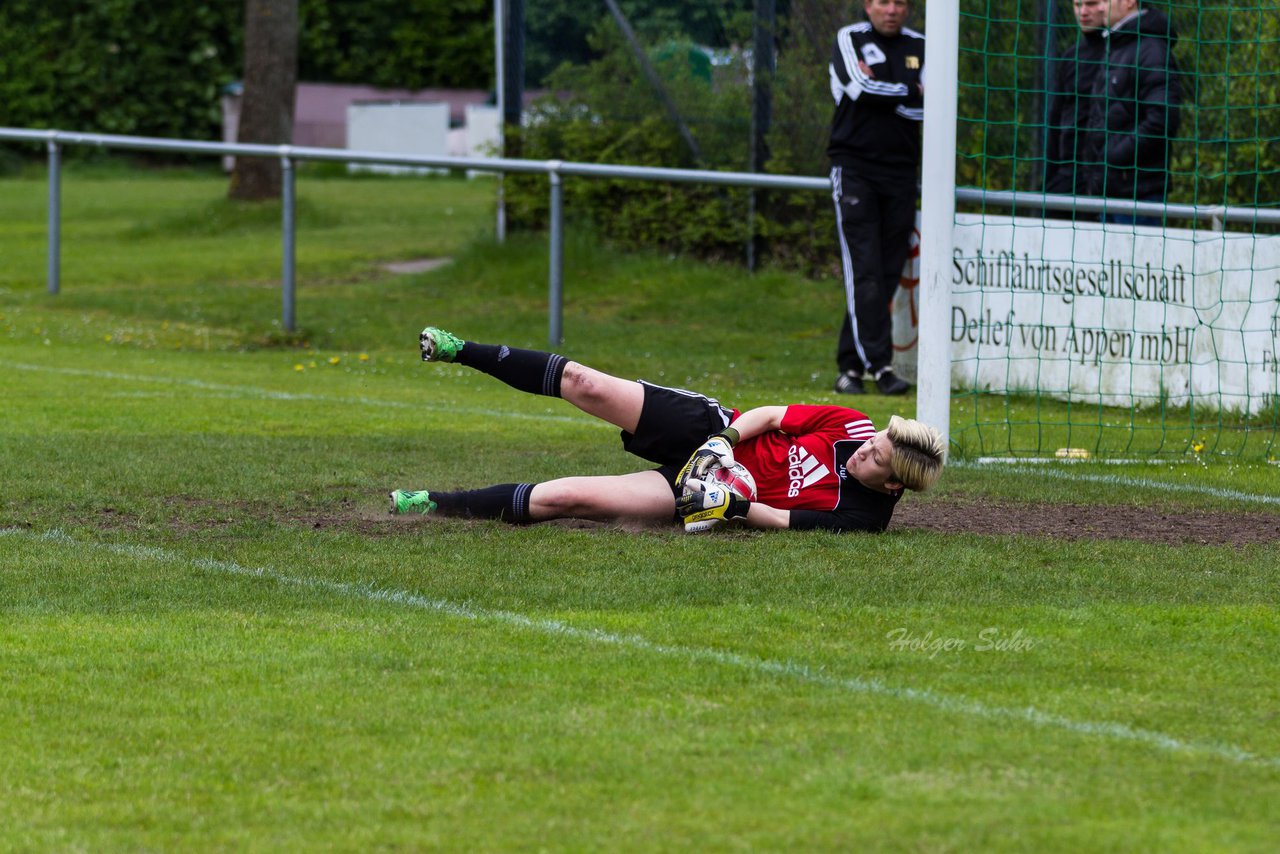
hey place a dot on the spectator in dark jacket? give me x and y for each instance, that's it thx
(877, 81)
(1133, 110)
(1072, 84)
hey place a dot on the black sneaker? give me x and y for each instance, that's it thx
(849, 383)
(890, 383)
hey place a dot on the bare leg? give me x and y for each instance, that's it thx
(607, 397)
(596, 393)
(643, 495)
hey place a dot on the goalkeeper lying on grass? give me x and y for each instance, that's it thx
(814, 466)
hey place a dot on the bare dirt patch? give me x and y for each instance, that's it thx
(965, 515)
(1089, 522)
(417, 265)
(945, 514)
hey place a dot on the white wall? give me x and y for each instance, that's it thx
(416, 129)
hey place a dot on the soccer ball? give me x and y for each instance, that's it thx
(737, 479)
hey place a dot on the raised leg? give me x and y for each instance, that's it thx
(607, 397)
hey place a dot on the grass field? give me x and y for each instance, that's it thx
(214, 637)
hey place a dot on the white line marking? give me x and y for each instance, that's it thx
(790, 669)
(1139, 482)
(256, 393)
(1068, 461)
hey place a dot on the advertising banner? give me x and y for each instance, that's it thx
(1110, 314)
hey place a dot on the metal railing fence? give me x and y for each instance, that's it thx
(555, 170)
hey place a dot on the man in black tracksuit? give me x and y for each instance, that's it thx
(1073, 76)
(1133, 109)
(877, 80)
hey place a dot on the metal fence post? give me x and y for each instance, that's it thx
(287, 214)
(55, 215)
(499, 49)
(556, 307)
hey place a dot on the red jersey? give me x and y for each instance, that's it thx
(801, 467)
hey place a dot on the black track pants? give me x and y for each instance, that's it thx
(875, 215)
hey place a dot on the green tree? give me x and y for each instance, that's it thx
(559, 31)
(156, 69)
(116, 66)
(409, 44)
(605, 112)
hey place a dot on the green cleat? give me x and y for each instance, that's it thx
(438, 345)
(403, 501)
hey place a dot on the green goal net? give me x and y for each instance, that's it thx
(1149, 332)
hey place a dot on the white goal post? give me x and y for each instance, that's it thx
(937, 216)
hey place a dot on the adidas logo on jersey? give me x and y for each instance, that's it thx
(803, 469)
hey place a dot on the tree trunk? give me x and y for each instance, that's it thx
(270, 84)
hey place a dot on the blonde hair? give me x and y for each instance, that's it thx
(918, 453)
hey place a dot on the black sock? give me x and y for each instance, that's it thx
(507, 501)
(527, 370)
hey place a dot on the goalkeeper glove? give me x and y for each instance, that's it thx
(716, 451)
(706, 504)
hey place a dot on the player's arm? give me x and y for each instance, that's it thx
(718, 449)
(762, 419)
(772, 518)
(706, 504)
(763, 516)
(698, 509)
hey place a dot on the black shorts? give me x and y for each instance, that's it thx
(673, 423)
